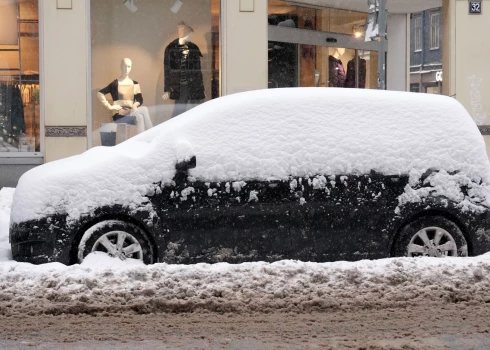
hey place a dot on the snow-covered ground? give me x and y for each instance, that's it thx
(103, 284)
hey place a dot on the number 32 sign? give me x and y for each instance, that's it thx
(475, 7)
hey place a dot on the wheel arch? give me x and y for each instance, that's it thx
(106, 217)
(427, 213)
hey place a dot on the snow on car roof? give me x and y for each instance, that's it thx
(266, 134)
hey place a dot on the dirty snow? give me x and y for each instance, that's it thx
(103, 284)
(6, 195)
(267, 134)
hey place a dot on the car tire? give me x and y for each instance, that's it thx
(117, 238)
(433, 236)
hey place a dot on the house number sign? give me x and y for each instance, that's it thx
(475, 7)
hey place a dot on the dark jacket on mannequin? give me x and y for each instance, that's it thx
(172, 67)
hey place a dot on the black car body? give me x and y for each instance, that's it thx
(315, 217)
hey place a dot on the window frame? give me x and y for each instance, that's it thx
(435, 30)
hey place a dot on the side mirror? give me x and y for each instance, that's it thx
(185, 165)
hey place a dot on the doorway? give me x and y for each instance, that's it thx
(320, 47)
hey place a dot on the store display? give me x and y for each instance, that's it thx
(350, 80)
(12, 123)
(19, 77)
(183, 81)
(336, 72)
(127, 100)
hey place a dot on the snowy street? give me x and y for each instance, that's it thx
(427, 303)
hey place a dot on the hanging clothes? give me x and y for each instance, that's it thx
(336, 72)
(350, 81)
(12, 122)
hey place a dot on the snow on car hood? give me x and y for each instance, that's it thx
(261, 135)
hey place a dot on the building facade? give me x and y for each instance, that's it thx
(426, 51)
(77, 74)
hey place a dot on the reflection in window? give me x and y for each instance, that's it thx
(152, 64)
(19, 77)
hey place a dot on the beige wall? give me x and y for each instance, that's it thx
(472, 61)
(465, 59)
(245, 44)
(65, 59)
(397, 64)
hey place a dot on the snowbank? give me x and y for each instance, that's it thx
(103, 284)
(266, 134)
(6, 195)
(248, 287)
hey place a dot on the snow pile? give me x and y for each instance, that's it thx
(262, 135)
(6, 195)
(249, 287)
(458, 188)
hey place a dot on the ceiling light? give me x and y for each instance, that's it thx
(176, 6)
(130, 5)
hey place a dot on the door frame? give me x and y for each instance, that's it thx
(319, 38)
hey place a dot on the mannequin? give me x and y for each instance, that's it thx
(128, 100)
(183, 75)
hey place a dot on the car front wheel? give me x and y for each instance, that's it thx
(432, 236)
(118, 239)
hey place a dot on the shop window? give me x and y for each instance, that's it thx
(435, 30)
(19, 77)
(415, 87)
(151, 61)
(417, 33)
(432, 89)
(288, 14)
(293, 65)
(311, 65)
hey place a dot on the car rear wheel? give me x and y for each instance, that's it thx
(432, 236)
(118, 239)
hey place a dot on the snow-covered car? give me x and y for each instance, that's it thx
(316, 174)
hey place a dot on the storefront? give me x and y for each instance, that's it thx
(98, 72)
(21, 144)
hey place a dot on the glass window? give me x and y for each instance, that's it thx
(151, 60)
(415, 87)
(19, 77)
(293, 65)
(307, 64)
(434, 89)
(418, 33)
(435, 30)
(288, 14)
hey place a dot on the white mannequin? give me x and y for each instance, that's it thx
(143, 121)
(182, 41)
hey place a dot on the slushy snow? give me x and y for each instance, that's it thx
(103, 284)
(270, 134)
(6, 195)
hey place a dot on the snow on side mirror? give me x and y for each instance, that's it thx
(185, 155)
(186, 164)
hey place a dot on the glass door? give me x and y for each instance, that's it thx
(300, 65)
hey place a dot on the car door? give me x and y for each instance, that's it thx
(189, 219)
(253, 220)
(338, 217)
(226, 222)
